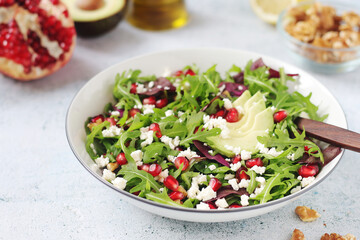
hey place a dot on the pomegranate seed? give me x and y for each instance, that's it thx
(190, 72)
(144, 167)
(235, 206)
(136, 193)
(181, 160)
(279, 116)
(212, 205)
(171, 183)
(161, 103)
(156, 129)
(112, 121)
(178, 73)
(220, 113)
(55, 2)
(155, 169)
(66, 13)
(150, 100)
(176, 195)
(98, 119)
(232, 115)
(133, 88)
(241, 174)
(307, 148)
(236, 159)
(254, 162)
(215, 184)
(309, 170)
(121, 159)
(133, 112)
(179, 148)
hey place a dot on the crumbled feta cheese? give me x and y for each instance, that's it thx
(244, 200)
(267, 131)
(115, 113)
(148, 108)
(108, 175)
(159, 87)
(299, 178)
(229, 176)
(151, 84)
(295, 189)
(227, 103)
(258, 190)
(119, 183)
(211, 152)
(199, 179)
(240, 87)
(137, 156)
(273, 109)
(102, 161)
(245, 155)
(221, 203)
(173, 143)
(194, 189)
(140, 88)
(258, 170)
(261, 180)
(180, 113)
(169, 113)
(93, 147)
(202, 206)
(244, 183)
(162, 175)
(274, 153)
(219, 122)
(188, 154)
(306, 181)
(206, 194)
(221, 89)
(291, 157)
(212, 167)
(146, 135)
(161, 189)
(228, 159)
(236, 150)
(166, 88)
(112, 131)
(265, 150)
(235, 167)
(234, 184)
(171, 158)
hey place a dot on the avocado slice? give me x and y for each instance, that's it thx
(244, 133)
(95, 17)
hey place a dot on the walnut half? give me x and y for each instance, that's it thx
(335, 236)
(297, 235)
(306, 214)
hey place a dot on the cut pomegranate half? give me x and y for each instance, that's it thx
(36, 38)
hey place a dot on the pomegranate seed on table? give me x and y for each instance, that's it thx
(309, 170)
(181, 160)
(133, 88)
(232, 115)
(236, 159)
(112, 121)
(241, 173)
(155, 169)
(171, 183)
(161, 103)
(133, 112)
(121, 159)
(176, 195)
(254, 162)
(190, 72)
(215, 184)
(178, 73)
(156, 129)
(279, 116)
(212, 205)
(235, 206)
(149, 101)
(144, 167)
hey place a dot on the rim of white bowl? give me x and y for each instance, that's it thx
(194, 210)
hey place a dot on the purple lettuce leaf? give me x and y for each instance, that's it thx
(205, 151)
(235, 89)
(226, 191)
(239, 78)
(272, 72)
(161, 84)
(329, 154)
(258, 63)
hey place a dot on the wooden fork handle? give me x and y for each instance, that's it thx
(329, 133)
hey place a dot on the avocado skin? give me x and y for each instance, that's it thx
(101, 26)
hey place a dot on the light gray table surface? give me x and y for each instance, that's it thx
(46, 194)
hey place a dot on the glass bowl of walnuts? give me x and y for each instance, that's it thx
(325, 36)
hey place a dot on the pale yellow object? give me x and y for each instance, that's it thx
(269, 10)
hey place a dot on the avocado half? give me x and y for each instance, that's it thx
(94, 22)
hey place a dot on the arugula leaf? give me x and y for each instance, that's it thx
(90, 138)
(163, 198)
(253, 183)
(154, 152)
(123, 84)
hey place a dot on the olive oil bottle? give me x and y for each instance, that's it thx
(157, 14)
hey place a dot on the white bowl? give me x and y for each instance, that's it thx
(91, 99)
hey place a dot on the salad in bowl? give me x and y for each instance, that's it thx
(207, 140)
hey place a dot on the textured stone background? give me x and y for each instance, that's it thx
(46, 194)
